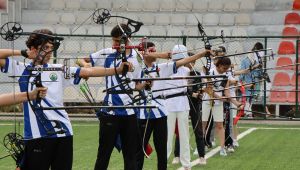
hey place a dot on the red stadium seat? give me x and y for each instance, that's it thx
(296, 5)
(292, 18)
(292, 96)
(278, 97)
(293, 80)
(284, 61)
(290, 31)
(286, 47)
(281, 79)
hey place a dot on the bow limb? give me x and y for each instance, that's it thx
(241, 112)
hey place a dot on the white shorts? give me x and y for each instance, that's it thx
(217, 112)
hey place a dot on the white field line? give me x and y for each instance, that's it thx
(217, 149)
(240, 136)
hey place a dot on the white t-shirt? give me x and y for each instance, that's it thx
(180, 103)
(165, 70)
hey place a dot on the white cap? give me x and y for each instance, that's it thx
(179, 52)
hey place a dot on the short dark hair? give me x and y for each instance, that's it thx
(148, 44)
(225, 61)
(37, 38)
(191, 54)
(258, 46)
(117, 32)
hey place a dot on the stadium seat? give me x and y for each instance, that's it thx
(226, 19)
(67, 18)
(57, 4)
(188, 6)
(88, 47)
(157, 31)
(292, 18)
(134, 5)
(95, 30)
(242, 19)
(147, 19)
(278, 96)
(216, 5)
(62, 30)
(52, 18)
(200, 5)
(292, 96)
(281, 79)
(162, 19)
(239, 32)
(284, 61)
(296, 5)
(152, 5)
(79, 31)
(265, 5)
(293, 80)
(211, 19)
(72, 4)
(191, 19)
(290, 31)
(118, 5)
(88, 5)
(190, 31)
(167, 5)
(84, 17)
(178, 19)
(248, 5)
(104, 4)
(231, 6)
(144, 31)
(286, 47)
(174, 31)
(226, 31)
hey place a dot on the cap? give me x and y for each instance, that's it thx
(179, 52)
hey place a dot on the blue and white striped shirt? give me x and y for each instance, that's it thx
(109, 61)
(33, 127)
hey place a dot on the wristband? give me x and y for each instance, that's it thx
(24, 53)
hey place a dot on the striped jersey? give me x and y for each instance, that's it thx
(34, 126)
(110, 58)
(165, 70)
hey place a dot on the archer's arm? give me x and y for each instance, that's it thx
(5, 53)
(101, 71)
(191, 59)
(15, 98)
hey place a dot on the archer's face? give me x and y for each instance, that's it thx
(222, 68)
(116, 41)
(43, 53)
(150, 50)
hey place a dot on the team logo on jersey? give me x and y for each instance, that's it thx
(53, 76)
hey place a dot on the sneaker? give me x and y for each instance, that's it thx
(230, 149)
(235, 144)
(195, 152)
(202, 161)
(223, 152)
(175, 160)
